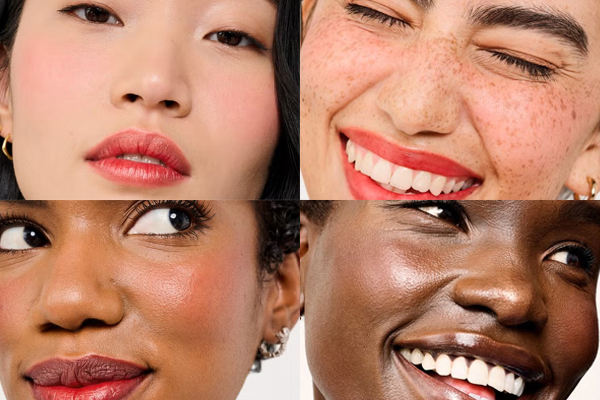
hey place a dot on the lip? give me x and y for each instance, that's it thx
(514, 358)
(102, 158)
(97, 377)
(363, 187)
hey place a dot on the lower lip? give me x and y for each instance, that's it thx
(363, 187)
(131, 173)
(435, 389)
(114, 390)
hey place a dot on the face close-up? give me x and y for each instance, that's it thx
(150, 300)
(453, 99)
(142, 98)
(447, 300)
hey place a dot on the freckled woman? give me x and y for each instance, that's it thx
(145, 300)
(450, 99)
(448, 300)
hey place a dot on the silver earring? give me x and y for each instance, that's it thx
(268, 350)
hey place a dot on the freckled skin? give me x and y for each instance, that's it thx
(191, 309)
(430, 87)
(372, 273)
(69, 80)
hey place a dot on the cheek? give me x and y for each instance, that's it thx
(529, 132)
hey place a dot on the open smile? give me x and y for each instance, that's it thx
(475, 366)
(377, 169)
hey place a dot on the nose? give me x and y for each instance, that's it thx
(151, 76)
(78, 290)
(422, 94)
(503, 286)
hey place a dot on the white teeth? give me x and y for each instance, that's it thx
(401, 178)
(460, 370)
(428, 362)
(519, 387)
(474, 396)
(478, 373)
(141, 159)
(458, 186)
(382, 171)
(367, 164)
(437, 184)
(416, 357)
(443, 365)
(509, 382)
(449, 186)
(351, 151)
(475, 371)
(422, 181)
(497, 378)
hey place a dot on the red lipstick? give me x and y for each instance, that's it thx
(105, 159)
(92, 377)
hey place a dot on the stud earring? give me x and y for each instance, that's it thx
(268, 350)
(4, 149)
(593, 190)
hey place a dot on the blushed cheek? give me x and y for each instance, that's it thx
(531, 135)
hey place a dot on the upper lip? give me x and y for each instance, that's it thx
(512, 357)
(84, 371)
(414, 159)
(134, 141)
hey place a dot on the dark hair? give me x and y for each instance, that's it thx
(284, 171)
(317, 211)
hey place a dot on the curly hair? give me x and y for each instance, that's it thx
(278, 232)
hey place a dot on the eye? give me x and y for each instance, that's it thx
(22, 238)
(370, 14)
(235, 39)
(162, 221)
(92, 13)
(534, 71)
(449, 211)
(574, 256)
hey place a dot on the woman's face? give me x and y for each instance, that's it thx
(458, 99)
(184, 305)
(177, 82)
(510, 283)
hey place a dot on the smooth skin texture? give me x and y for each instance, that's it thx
(195, 304)
(379, 272)
(435, 86)
(71, 83)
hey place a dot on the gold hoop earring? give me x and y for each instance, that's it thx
(593, 190)
(4, 149)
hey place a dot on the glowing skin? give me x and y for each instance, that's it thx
(192, 309)
(432, 86)
(375, 275)
(71, 81)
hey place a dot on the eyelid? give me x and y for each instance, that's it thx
(535, 70)
(200, 213)
(254, 42)
(450, 205)
(70, 10)
(372, 14)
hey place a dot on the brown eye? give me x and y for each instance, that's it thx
(229, 38)
(94, 14)
(233, 39)
(97, 14)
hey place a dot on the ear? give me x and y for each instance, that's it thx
(5, 107)
(586, 166)
(283, 300)
(308, 6)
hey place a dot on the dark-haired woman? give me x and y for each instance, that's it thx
(156, 99)
(144, 300)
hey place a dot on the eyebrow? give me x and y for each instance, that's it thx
(43, 204)
(580, 211)
(552, 22)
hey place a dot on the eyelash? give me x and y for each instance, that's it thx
(200, 214)
(584, 253)
(535, 71)
(11, 220)
(370, 14)
(448, 205)
(71, 9)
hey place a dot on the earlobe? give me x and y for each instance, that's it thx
(586, 170)
(5, 113)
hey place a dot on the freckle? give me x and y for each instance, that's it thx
(574, 114)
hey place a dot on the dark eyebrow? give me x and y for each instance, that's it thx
(552, 22)
(425, 5)
(43, 204)
(580, 211)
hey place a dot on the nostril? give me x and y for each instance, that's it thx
(131, 97)
(170, 104)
